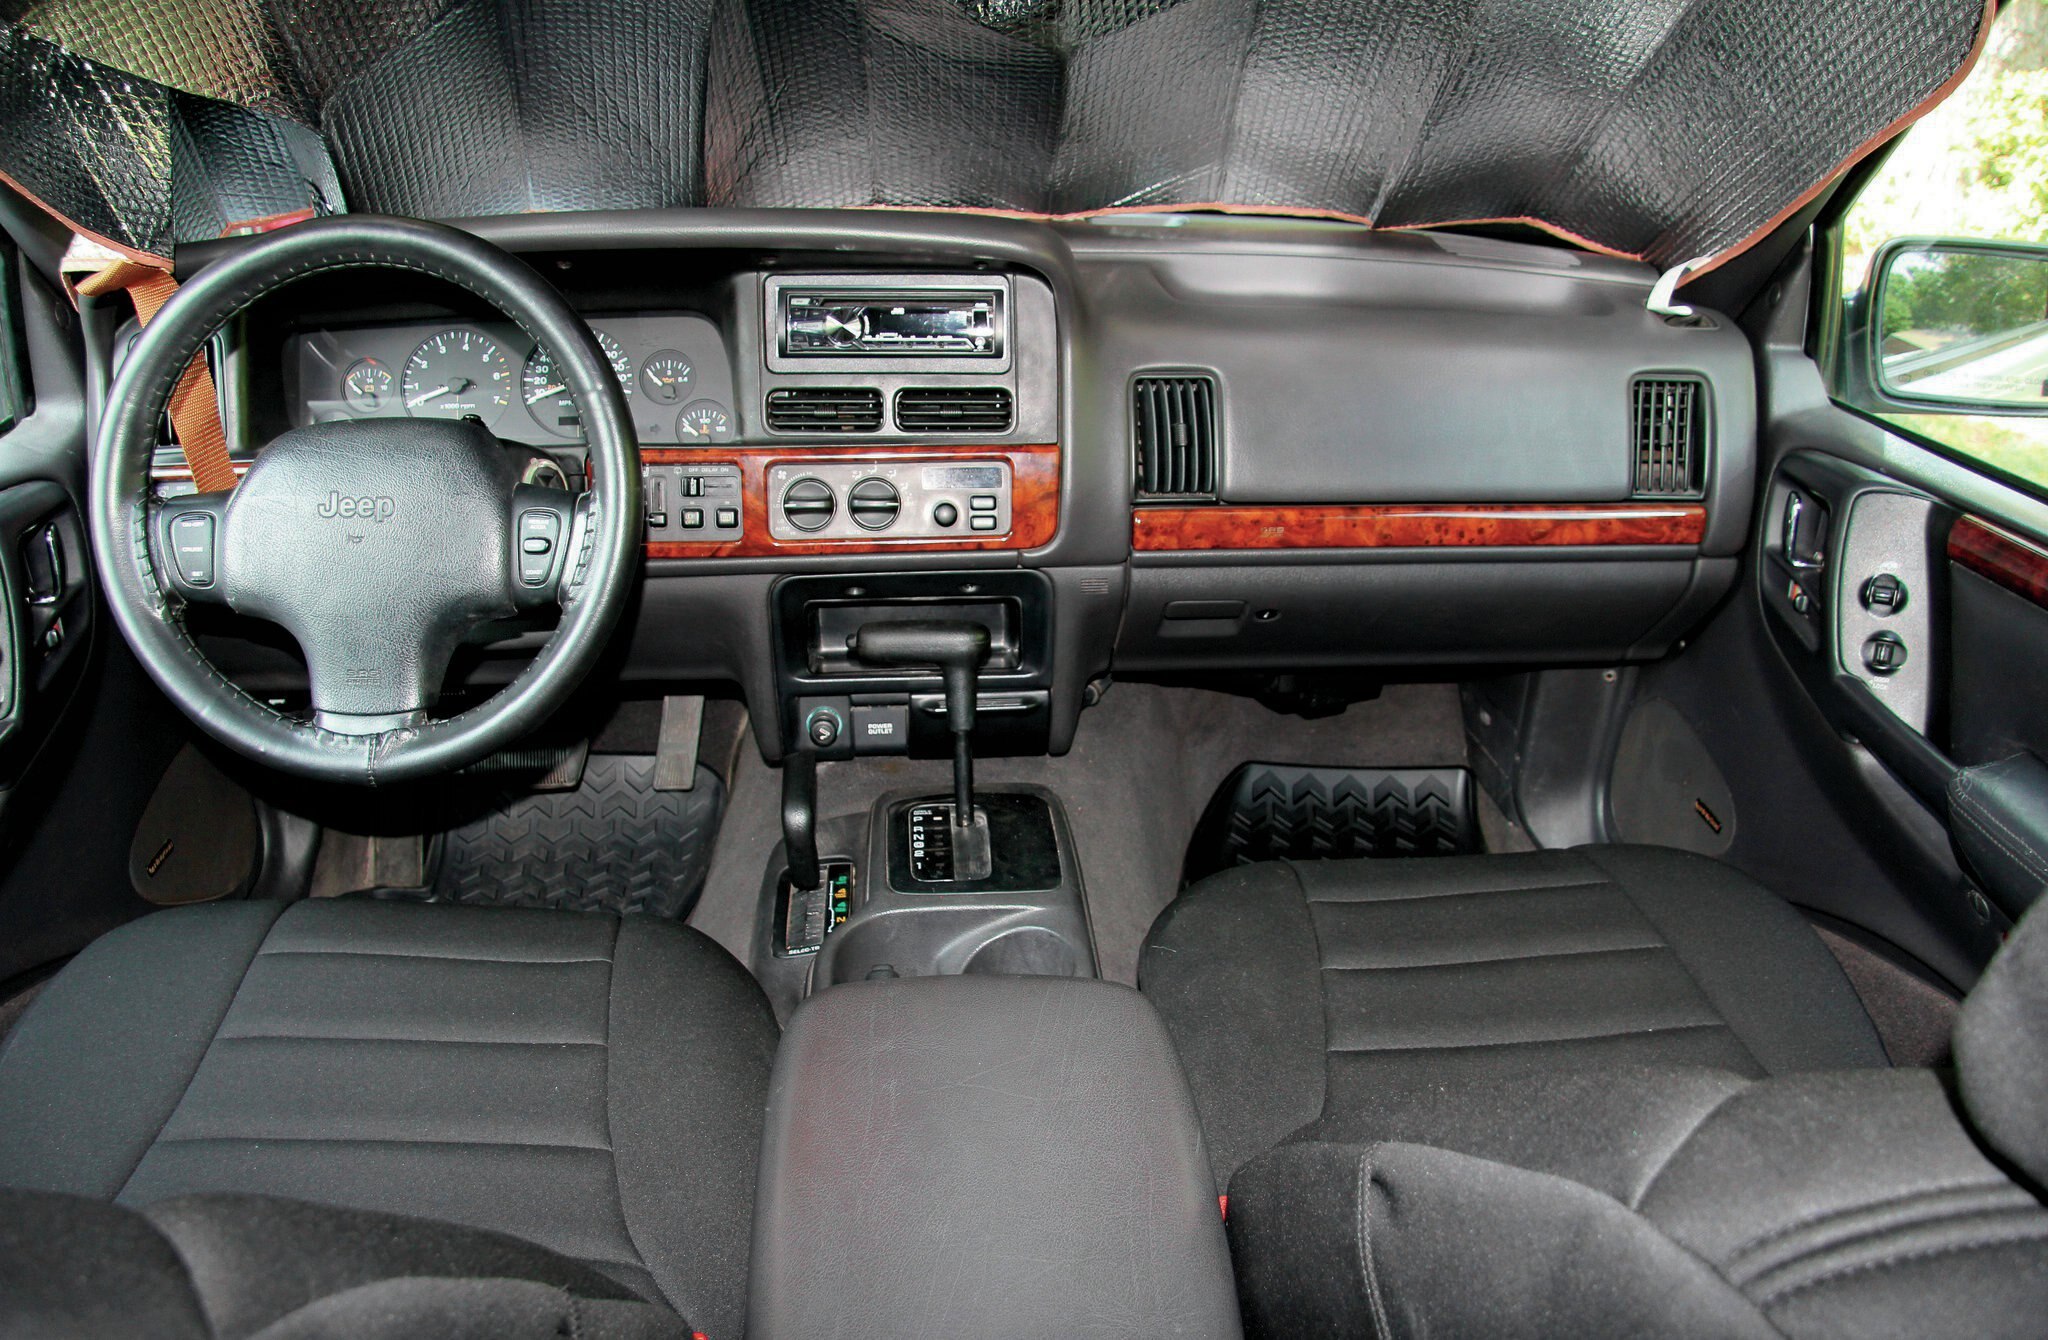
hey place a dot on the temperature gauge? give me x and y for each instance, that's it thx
(367, 387)
(665, 377)
(703, 422)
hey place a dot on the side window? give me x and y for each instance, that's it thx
(15, 395)
(1944, 256)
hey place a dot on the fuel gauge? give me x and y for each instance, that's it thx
(703, 422)
(366, 387)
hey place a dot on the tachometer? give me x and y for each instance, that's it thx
(702, 422)
(665, 377)
(367, 386)
(457, 373)
(546, 393)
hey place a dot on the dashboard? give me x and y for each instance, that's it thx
(1154, 445)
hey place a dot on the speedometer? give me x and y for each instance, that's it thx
(546, 393)
(455, 374)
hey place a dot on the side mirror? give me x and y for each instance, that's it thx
(1958, 327)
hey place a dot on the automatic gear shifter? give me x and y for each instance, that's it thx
(958, 650)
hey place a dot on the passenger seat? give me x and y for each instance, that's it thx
(1611, 1091)
(1420, 999)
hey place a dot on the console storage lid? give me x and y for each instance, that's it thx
(985, 1156)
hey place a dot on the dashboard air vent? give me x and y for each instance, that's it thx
(1670, 431)
(953, 409)
(1173, 428)
(825, 409)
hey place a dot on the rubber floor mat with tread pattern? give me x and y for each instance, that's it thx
(613, 844)
(1273, 812)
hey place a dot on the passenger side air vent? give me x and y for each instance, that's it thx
(1173, 429)
(1670, 435)
(825, 409)
(953, 409)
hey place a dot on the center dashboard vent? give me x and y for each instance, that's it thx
(953, 409)
(1669, 425)
(1173, 431)
(825, 409)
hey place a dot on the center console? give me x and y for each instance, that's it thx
(967, 881)
(984, 1156)
(910, 917)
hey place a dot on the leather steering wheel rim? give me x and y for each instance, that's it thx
(150, 614)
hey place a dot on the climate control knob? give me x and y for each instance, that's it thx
(808, 504)
(873, 503)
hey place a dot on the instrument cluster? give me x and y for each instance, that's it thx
(673, 370)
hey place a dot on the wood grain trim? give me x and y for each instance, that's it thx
(1418, 526)
(1034, 498)
(2019, 565)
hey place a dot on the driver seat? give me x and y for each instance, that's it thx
(590, 1084)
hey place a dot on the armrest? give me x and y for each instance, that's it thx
(1998, 817)
(986, 1156)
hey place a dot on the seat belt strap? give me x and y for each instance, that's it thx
(194, 405)
(195, 408)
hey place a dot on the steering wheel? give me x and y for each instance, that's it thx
(378, 544)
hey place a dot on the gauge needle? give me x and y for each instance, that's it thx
(544, 392)
(424, 396)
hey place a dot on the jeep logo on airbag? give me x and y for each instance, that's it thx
(379, 508)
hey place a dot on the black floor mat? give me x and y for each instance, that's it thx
(614, 844)
(1276, 811)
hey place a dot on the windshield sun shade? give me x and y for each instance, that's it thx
(1664, 131)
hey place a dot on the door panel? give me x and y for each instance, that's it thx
(1909, 616)
(84, 735)
(1999, 640)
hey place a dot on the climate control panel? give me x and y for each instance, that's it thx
(882, 499)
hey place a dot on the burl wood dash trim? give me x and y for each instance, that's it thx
(2019, 565)
(1418, 526)
(1034, 498)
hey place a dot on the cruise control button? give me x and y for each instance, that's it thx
(539, 533)
(192, 548)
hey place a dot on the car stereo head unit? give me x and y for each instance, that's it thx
(911, 319)
(837, 324)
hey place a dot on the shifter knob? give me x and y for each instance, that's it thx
(957, 649)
